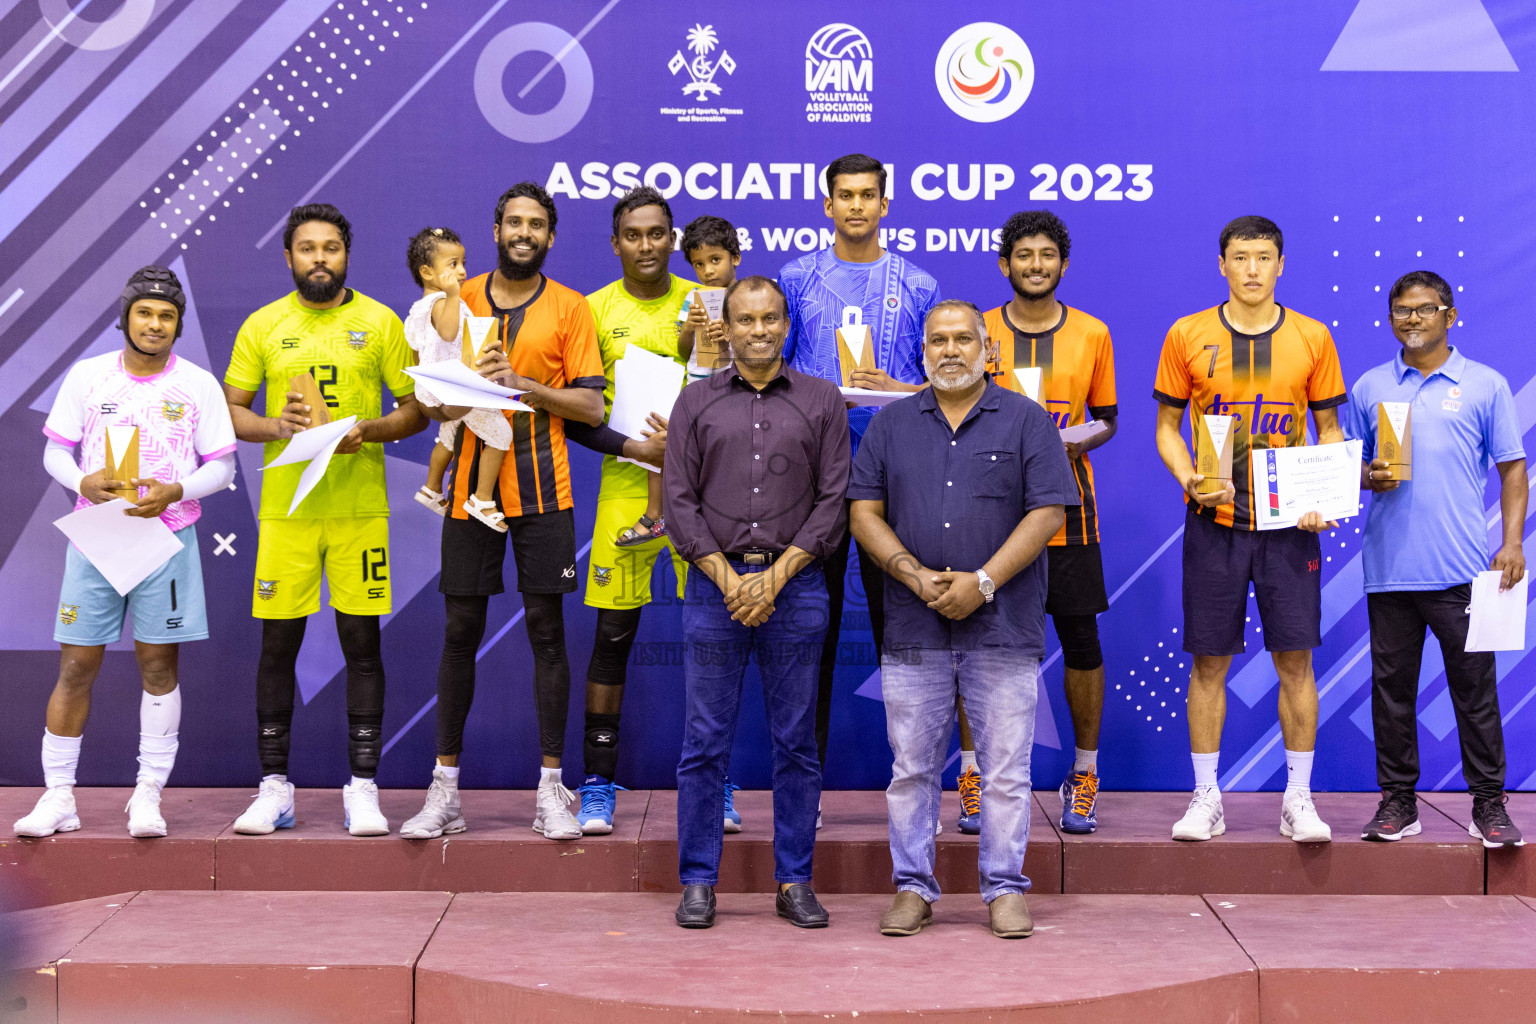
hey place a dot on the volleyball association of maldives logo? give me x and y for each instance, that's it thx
(984, 72)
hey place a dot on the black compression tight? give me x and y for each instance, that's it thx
(276, 679)
(544, 618)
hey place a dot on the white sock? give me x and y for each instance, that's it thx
(451, 774)
(1298, 770)
(550, 777)
(1205, 769)
(274, 778)
(159, 724)
(1087, 760)
(61, 756)
(357, 782)
(967, 760)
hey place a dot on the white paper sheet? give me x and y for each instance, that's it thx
(315, 446)
(1029, 379)
(1498, 620)
(1083, 431)
(1290, 482)
(643, 383)
(125, 549)
(453, 383)
(862, 396)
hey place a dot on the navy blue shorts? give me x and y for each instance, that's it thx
(1284, 567)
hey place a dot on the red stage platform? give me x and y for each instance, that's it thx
(1131, 853)
(175, 957)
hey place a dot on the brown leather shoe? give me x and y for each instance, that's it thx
(907, 914)
(1010, 916)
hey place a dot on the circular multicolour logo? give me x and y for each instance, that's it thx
(984, 72)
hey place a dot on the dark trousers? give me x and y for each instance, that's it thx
(718, 649)
(873, 579)
(1398, 620)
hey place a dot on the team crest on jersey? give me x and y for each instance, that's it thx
(892, 302)
(602, 575)
(266, 589)
(68, 613)
(173, 411)
(357, 339)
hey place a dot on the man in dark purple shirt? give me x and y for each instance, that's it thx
(756, 472)
(955, 492)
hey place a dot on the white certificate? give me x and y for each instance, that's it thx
(124, 549)
(1290, 482)
(453, 383)
(1083, 431)
(314, 445)
(878, 399)
(643, 383)
(1498, 618)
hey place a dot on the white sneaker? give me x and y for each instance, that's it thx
(144, 819)
(55, 812)
(272, 809)
(1204, 819)
(818, 815)
(552, 813)
(361, 805)
(1299, 820)
(441, 815)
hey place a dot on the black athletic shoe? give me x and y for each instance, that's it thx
(1396, 816)
(697, 908)
(1491, 824)
(799, 906)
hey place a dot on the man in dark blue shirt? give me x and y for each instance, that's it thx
(955, 493)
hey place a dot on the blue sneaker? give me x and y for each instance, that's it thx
(732, 815)
(970, 802)
(596, 814)
(1079, 803)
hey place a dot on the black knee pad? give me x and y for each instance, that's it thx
(272, 742)
(545, 621)
(601, 746)
(1079, 636)
(615, 637)
(365, 743)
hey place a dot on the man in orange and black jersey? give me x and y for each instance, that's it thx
(1264, 365)
(547, 346)
(1077, 383)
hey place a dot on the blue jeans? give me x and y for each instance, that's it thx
(998, 685)
(788, 652)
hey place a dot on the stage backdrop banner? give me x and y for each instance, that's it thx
(1383, 136)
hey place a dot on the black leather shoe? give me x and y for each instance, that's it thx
(798, 905)
(697, 909)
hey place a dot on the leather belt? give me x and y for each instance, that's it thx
(754, 556)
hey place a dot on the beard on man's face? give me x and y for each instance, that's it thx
(519, 270)
(321, 288)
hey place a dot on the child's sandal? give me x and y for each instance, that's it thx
(433, 500)
(655, 529)
(486, 512)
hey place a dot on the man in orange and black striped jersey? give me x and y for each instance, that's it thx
(1264, 365)
(1077, 383)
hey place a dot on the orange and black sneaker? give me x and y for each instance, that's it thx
(1079, 802)
(970, 801)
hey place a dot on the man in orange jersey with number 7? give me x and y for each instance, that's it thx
(1264, 365)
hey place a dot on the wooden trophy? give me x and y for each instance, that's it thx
(1029, 380)
(309, 394)
(123, 459)
(479, 331)
(707, 353)
(1394, 437)
(1213, 452)
(855, 345)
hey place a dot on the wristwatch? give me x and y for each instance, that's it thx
(986, 584)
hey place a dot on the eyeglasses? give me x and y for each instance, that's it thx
(1423, 312)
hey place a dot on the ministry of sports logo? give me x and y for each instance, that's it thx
(701, 41)
(266, 590)
(984, 72)
(68, 613)
(357, 339)
(839, 75)
(173, 411)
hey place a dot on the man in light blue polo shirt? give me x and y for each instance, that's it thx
(1426, 538)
